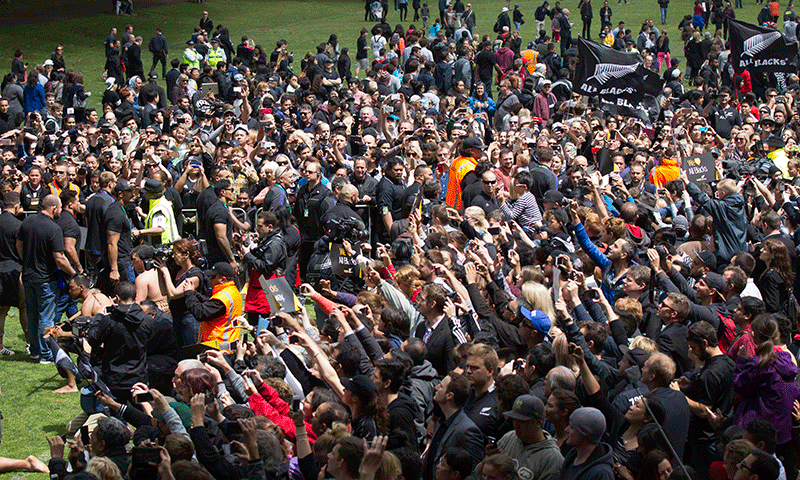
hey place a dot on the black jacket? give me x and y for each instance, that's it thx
(269, 256)
(672, 341)
(440, 345)
(456, 431)
(123, 334)
(309, 208)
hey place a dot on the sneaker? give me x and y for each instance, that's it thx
(45, 361)
(28, 349)
(6, 352)
(35, 358)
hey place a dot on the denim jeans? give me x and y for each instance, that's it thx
(40, 299)
(65, 304)
(663, 15)
(188, 330)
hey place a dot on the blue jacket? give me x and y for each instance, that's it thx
(610, 289)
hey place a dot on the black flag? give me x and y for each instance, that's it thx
(618, 79)
(760, 49)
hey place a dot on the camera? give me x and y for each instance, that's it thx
(662, 251)
(162, 253)
(349, 229)
(592, 294)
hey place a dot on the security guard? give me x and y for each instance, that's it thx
(191, 57)
(216, 313)
(160, 219)
(215, 54)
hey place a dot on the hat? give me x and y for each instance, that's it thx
(647, 201)
(675, 61)
(680, 222)
(707, 258)
(589, 422)
(766, 118)
(473, 142)
(221, 268)
(504, 9)
(526, 407)
(153, 186)
(707, 34)
(557, 126)
(414, 99)
(361, 386)
(110, 81)
(238, 77)
(546, 82)
(636, 356)
(676, 73)
(48, 63)
(215, 40)
(190, 42)
(123, 186)
(775, 141)
(715, 281)
(153, 75)
(538, 319)
(553, 196)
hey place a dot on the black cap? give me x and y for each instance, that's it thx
(361, 386)
(153, 186)
(708, 259)
(473, 142)
(221, 268)
(123, 186)
(153, 75)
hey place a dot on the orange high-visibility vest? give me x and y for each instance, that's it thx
(220, 331)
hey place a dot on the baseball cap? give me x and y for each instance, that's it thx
(553, 196)
(526, 407)
(361, 386)
(636, 356)
(707, 258)
(153, 75)
(238, 77)
(715, 281)
(504, 9)
(539, 320)
(221, 268)
(153, 186)
(680, 222)
(48, 62)
(589, 422)
(473, 142)
(123, 186)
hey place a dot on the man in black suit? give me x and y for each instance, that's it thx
(437, 330)
(134, 65)
(636, 285)
(454, 428)
(672, 339)
(657, 374)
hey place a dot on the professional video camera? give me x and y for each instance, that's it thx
(162, 253)
(349, 229)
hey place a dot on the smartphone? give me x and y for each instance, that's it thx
(85, 437)
(296, 404)
(571, 349)
(70, 111)
(203, 357)
(592, 294)
(494, 231)
(234, 428)
(237, 89)
(492, 440)
(210, 399)
(294, 339)
(143, 397)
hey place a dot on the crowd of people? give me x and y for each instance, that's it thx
(507, 283)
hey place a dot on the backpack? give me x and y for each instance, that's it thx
(497, 26)
(726, 332)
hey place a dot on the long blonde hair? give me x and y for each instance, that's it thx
(538, 297)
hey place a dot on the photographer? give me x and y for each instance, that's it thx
(267, 259)
(180, 274)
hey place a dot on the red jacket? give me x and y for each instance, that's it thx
(268, 404)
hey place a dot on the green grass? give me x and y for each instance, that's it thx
(31, 411)
(29, 407)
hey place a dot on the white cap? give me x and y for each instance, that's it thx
(505, 9)
(48, 62)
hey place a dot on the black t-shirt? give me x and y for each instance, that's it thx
(40, 236)
(711, 385)
(485, 62)
(390, 198)
(217, 213)
(361, 50)
(9, 231)
(96, 208)
(177, 306)
(117, 221)
(69, 226)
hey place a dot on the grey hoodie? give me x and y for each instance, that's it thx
(537, 461)
(423, 380)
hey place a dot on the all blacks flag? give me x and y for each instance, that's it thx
(618, 79)
(760, 49)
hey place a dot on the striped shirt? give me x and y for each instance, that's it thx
(524, 211)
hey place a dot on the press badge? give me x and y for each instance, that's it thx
(305, 213)
(384, 210)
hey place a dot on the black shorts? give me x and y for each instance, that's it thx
(9, 288)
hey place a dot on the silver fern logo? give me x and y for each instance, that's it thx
(758, 43)
(603, 72)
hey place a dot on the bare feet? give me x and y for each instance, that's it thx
(66, 389)
(36, 465)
